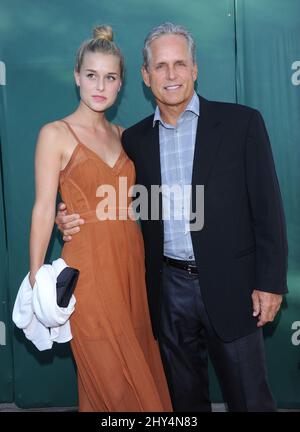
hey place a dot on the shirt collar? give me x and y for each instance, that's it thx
(193, 106)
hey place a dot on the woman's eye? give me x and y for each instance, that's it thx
(111, 78)
(90, 75)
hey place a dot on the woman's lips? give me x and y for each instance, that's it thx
(99, 98)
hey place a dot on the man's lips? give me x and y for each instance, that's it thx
(172, 87)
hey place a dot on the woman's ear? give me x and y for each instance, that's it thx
(76, 77)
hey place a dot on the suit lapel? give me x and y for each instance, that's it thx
(151, 166)
(208, 138)
(151, 154)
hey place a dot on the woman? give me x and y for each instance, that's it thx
(118, 361)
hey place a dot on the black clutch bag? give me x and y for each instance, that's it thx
(65, 285)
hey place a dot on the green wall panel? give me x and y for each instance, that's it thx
(267, 49)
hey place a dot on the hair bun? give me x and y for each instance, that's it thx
(103, 32)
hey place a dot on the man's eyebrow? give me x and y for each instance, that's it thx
(176, 61)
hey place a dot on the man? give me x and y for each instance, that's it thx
(209, 290)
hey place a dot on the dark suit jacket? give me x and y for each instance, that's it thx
(242, 245)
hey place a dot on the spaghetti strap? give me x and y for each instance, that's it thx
(71, 130)
(119, 131)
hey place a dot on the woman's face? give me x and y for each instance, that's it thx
(99, 80)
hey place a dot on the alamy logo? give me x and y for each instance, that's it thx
(295, 78)
(296, 335)
(179, 203)
(2, 333)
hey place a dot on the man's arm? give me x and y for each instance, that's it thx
(268, 222)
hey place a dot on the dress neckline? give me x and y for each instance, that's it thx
(85, 147)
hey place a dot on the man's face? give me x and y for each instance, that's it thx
(171, 72)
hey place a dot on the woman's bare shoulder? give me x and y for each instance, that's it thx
(54, 128)
(53, 135)
(56, 131)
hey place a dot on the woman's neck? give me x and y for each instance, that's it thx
(92, 119)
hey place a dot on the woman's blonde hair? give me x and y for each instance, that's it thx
(102, 42)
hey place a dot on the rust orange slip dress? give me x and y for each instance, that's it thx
(118, 361)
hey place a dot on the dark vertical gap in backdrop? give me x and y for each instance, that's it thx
(2, 193)
(235, 50)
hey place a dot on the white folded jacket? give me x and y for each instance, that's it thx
(36, 311)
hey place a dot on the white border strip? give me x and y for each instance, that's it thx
(2, 333)
(2, 73)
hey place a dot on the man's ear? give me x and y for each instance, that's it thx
(145, 75)
(195, 71)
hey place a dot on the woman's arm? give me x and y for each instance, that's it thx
(48, 158)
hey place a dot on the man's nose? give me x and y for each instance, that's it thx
(171, 72)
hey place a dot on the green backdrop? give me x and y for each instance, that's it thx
(246, 50)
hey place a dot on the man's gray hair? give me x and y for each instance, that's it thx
(163, 29)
